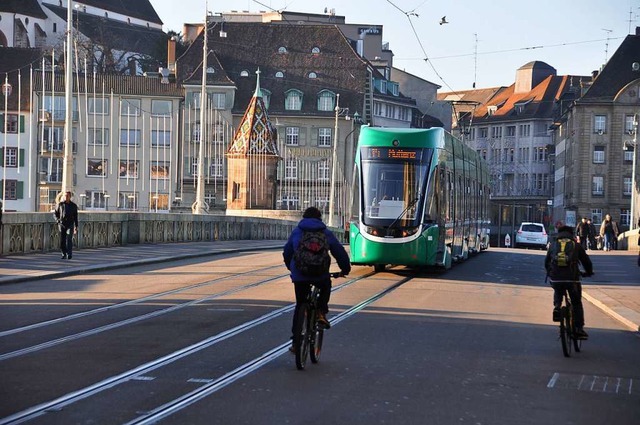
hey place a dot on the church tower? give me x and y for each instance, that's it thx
(252, 159)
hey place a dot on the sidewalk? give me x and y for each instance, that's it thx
(21, 268)
(615, 288)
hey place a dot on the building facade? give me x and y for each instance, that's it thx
(595, 136)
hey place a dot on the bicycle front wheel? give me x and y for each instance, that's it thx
(300, 337)
(316, 334)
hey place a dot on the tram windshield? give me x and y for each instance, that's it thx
(393, 184)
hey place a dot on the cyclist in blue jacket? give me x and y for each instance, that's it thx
(312, 222)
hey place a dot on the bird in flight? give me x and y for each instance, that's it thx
(443, 20)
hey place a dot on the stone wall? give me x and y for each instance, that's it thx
(24, 233)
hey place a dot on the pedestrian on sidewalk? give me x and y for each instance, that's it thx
(66, 215)
(582, 230)
(607, 232)
(592, 235)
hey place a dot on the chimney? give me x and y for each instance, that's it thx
(594, 74)
(171, 55)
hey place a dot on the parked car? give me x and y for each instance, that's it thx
(531, 235)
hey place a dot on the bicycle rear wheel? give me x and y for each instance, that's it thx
(577, 344)
(316, 335)
(565, 329)
(300, 338)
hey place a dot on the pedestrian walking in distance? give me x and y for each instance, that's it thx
(66, 215)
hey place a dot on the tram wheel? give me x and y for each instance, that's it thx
(379, 267)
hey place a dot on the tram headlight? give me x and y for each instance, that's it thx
(409, 232)
(371, 230)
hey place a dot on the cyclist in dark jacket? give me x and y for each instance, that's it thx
(312, 221)
(568, 278)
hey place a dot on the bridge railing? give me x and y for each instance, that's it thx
(24, 233)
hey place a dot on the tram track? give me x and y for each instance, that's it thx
(135, 319)
(128, 303)
(81, 394)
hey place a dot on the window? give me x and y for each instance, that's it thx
(511, 131)
(291, 169)
(523, 154)
(160, 138)
(405, 114)
(12, 189)
(629, 124)
(11, 157)
(55, 107)
(98, 137)
(130, 107)
(377, 109)
(129, 138)
(290, 202)
(496, 132)
(315, 50)
(159, 202)
(596, 216)
(194, 166)
(216, 166)
(324, 137)
(626, 186)
(128, 201)
(96, 167)
(312, 75)
(628, 156)
(282, 50)
(597, 186)
(129, 169)
(98, 106)
(625, 217)
(600, 124)
(323, 170)
(159, 170)
(9, 123)
(195, 132)
(395, 89)
(540, 154)
(293, 100)
(244, 73)
(279, 74)
(50, 169)
(525, 130)
(598, 154)
(161, 108)
(292, 136)
(218, 100)
(484, 132)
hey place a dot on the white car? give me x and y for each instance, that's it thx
(533, 235)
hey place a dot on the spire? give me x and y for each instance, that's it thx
(258, 92)
(256, 135)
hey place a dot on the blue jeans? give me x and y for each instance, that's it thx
(66, 240)
(608, 241)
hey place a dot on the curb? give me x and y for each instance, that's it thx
(611, 312)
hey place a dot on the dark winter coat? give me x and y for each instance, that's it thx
(572, 272)
(335, 247)
(66, 214)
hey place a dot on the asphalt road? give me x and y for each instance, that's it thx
(204, 341)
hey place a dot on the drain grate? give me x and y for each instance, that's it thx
(593, 383)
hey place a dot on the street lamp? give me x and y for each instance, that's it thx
(633, 220)
(334, 160)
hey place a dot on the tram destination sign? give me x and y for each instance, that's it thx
(406, 154)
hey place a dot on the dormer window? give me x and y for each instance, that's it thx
(266, 97)
(492, 109)
(395, 90)
(293, 100)
(282, 50)
(326, 100)
(279, 74)
(383, 87)
(313, 75)
(210, 70)
(315, 50)
(520, 106)
(244, 73)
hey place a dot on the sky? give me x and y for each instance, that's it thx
(483, 42)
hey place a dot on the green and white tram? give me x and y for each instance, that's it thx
(420, 198)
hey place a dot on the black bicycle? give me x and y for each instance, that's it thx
(308, 334)
(568, 336)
